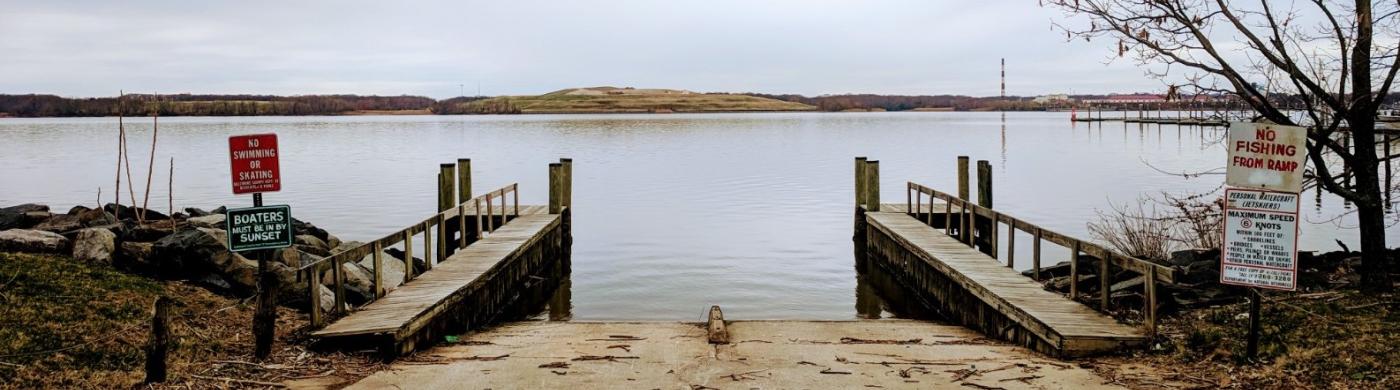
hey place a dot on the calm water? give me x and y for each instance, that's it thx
(673, 212)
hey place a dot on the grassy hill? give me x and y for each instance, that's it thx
(622, 100)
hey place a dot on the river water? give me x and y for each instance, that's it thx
(673, 213)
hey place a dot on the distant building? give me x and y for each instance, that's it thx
(1129, 99)
(1043, 99)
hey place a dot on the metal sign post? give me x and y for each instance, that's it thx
(255, 169)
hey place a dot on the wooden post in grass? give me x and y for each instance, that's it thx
(158, 347)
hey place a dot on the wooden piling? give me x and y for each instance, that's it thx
(1011, 244)
(566, 166)
(962, 178)
(442, 238)
(464, 180)
(1103, 280)
(314, 292)
(407, 255)
(860, 181)
(1149, 287)
(1035, 256)
(427, 247)
(446, 175)
(986, 227)
(872, 185)
(462, 225)
(158, 347)
(1074, 270)
(338, 277)
(378, 257)
(556, 189)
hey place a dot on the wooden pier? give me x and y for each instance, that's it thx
(948, 252)
(487, 249)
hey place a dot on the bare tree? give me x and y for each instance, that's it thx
(1314, 63)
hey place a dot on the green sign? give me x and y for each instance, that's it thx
(264, 227)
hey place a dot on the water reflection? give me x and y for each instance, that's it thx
(879, 294)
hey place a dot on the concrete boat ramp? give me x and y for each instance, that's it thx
(890, 354)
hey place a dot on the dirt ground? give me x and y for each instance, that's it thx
(895, 354)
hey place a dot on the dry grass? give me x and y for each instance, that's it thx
(1144, 231)
(70, 325)
(1330, 340)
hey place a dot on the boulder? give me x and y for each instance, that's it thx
(418, 265)
(327, 299)
(242, 274)
(1183, 258)
(95, 246)
(300, 227)
(215, 221)
(14, 217)
(147, 232)
(191, 253)
(333, 242)
(79, 209)
(96, 217)
(359, 282)
(33, 241)
(196, 212)
(135, 255)
(393, 270)
(127, 212)
(345, 246)
(313, 241)
(60, 223)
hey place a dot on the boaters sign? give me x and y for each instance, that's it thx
(259, 228)
(1266, 156)
(254, 159)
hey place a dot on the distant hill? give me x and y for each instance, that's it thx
(618, 100)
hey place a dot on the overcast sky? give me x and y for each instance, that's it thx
(811, 47)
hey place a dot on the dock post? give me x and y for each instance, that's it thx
(427, 246)
(1074, 271)
(872, 185)
(556, 188)
(986, 228)
(962, 178)
(566, 167)
(314, 288)
(1150, 311)
(1011, 244)
(464, 180)
(407, 255)
(860, 181)
(338, 275)
(1035, 256)
(378, 257)
(446, 174)
(1103, 280)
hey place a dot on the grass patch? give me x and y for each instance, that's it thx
(66, 324)
(1336, 339)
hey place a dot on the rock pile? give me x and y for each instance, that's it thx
(191, 245)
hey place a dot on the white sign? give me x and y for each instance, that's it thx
(1266, 156)
(1261, 239)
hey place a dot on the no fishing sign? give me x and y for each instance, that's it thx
(1263, 177)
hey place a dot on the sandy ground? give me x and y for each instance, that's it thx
(892, 354)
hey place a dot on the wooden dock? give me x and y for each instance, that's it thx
(478, 255)
(945, 249)
(412, 312)
(1051, 322)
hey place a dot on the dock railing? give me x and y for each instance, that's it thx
(485, 225)
(968, 211)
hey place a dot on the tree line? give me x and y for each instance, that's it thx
(1009, 103)
(34, 105)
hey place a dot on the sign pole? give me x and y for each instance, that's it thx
(1251, 348)
(265, 319)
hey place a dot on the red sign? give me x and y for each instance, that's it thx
(254, 162)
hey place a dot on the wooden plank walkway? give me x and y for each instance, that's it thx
(1068, 326)
(412, 306)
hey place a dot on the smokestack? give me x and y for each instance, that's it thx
(1003, 78)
